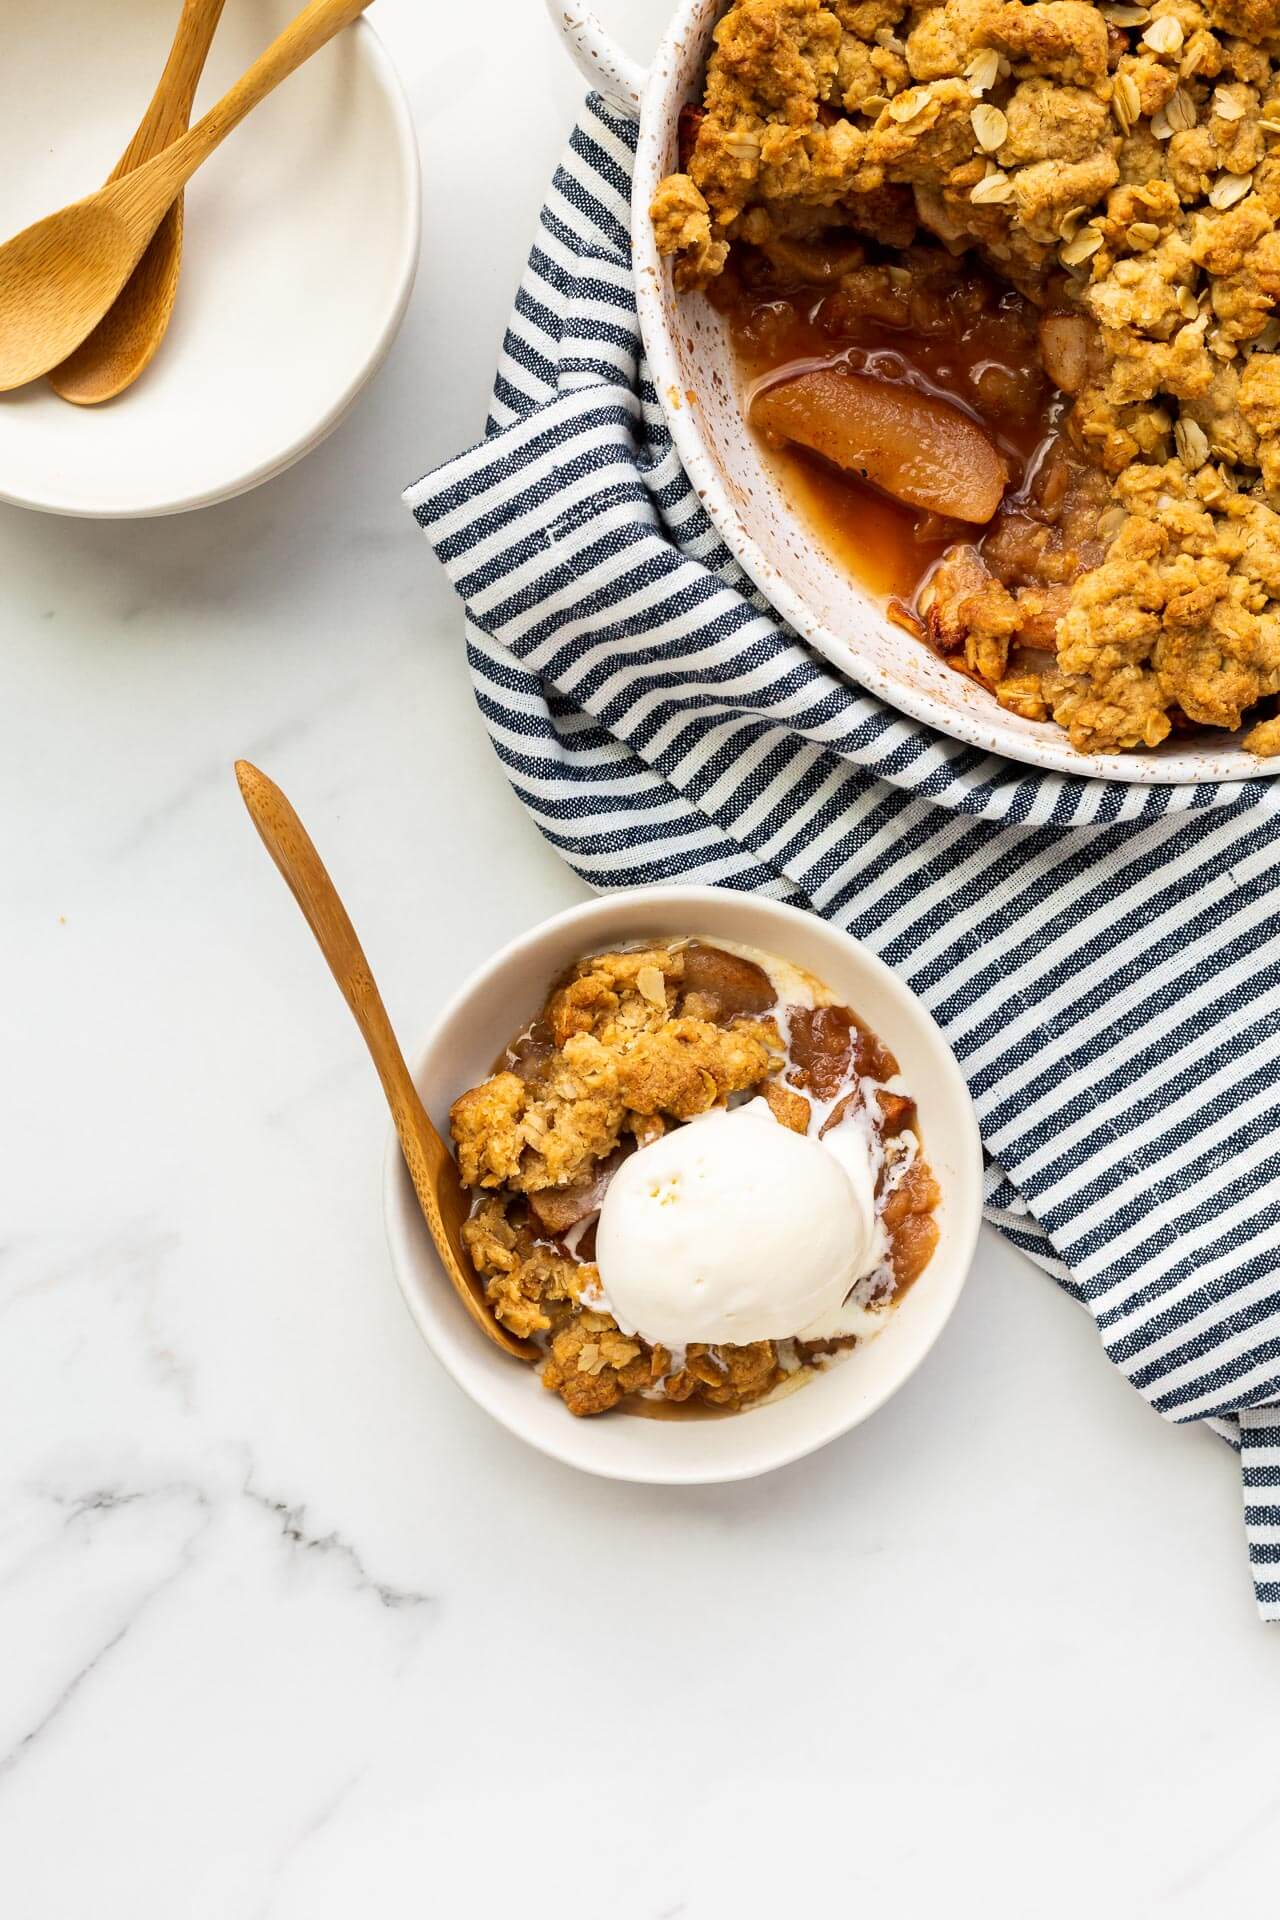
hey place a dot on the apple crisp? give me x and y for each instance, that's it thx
(629, 1046)
(1102, 181)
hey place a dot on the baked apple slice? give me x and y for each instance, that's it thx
(909, 444)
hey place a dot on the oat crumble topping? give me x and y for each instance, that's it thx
(630, 1044)
(1120, 167)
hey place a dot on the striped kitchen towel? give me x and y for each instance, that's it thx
(1103, 958)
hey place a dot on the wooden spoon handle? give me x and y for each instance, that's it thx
(290, 846)
(152, 187)
(170, 109)
(441, 1194)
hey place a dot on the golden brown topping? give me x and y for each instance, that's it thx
(682, 222)
(618, 1054)
(690, 1066)
(522, 1278)
(982, 71)
(539, 1151)
(1264, 739)
(1120, 165)
(592, 1365)
(606, 998)
(992, 190)
(486, 1127)
(990, 128)
(727, 1376)
(789, 1109)
(1164, 35)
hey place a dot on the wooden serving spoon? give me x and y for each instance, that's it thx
(436, 1181)
(58, 277)
(124, 342)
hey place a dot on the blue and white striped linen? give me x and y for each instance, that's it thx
(1102, 957)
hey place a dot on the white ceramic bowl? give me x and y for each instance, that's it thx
(470, 1036)
(696, 379)
(301, 247)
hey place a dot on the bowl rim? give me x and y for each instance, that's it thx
(993, 731)
(382, 69)
(451, 1340)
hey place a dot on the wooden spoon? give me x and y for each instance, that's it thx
(124, 342)
(58, 277)
(441, 1194)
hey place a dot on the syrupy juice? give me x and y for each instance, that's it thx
(925, 320)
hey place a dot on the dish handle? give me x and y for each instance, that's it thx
(598, 58)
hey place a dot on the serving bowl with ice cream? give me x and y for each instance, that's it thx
(721, 1217)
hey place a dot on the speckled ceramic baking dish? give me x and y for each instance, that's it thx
(693, 367)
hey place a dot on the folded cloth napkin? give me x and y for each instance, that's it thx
(1104, 959)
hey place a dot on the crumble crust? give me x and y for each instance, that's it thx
(627, 1045)
(1120, 167)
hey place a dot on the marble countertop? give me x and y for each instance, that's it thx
(289, 1629)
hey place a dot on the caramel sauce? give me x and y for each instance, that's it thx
(952, 331)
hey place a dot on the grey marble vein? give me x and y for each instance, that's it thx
(293, 1530)
(102, 1501)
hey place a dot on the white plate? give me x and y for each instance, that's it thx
(695, 374)
(301, 246)
(470, 1035)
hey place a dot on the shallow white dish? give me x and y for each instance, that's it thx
(301, 247)
(694, 372)
(471, 1034)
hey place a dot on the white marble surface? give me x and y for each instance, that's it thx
(287, 1629)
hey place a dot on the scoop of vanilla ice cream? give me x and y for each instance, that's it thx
(732, 1229)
